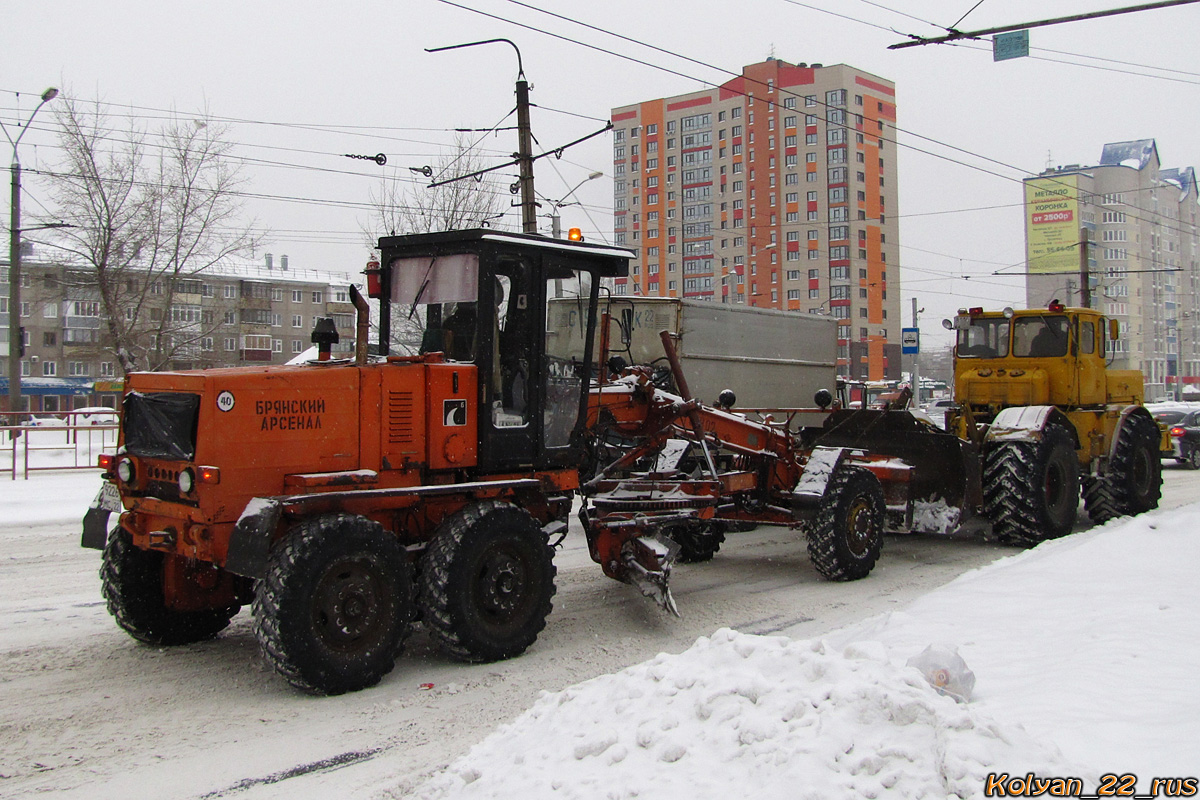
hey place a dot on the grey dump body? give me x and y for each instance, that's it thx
(770, 359)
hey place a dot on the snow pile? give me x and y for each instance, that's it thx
(1083, 641)
(794, 719)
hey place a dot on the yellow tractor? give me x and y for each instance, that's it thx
(1035, 393)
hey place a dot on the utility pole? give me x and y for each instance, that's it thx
(1085, 278)
(525, 154)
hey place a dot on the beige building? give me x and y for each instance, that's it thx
(1141, 252)
(239, 314)
(777, 189)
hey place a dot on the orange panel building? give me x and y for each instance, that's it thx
(777, 189)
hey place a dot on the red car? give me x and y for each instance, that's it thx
(1185, 440)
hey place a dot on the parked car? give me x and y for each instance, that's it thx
(94, 415)
(1185, 440)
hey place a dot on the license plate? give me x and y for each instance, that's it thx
(108, 499)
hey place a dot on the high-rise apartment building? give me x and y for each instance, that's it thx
(777, 189)
(1142, 263)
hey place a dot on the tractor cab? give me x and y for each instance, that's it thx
(479, 300)
(1056, 356)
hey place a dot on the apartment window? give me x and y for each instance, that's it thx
(316, 297)
(837, 97)
(230, 344)
(810, 100)
(49, 369)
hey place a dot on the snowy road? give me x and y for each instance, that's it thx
(87, 712)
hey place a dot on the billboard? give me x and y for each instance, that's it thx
(1052, 224)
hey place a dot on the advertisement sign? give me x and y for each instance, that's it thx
(1052, 224)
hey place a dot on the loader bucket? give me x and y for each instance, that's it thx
(943, 487)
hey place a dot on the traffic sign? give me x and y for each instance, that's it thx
(1010, 45)
(910, 340)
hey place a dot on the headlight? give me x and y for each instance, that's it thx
(187, 481)
(125, 470)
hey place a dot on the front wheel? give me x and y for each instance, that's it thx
(1031, 488)
(333, 611)
(846, 536)
(131, 580)
(487, 580)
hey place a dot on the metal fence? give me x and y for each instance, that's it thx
(51, 443)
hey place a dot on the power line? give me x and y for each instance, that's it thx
(758, 82)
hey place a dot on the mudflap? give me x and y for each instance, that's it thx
(944, 470)
(95, 521)
(250, 542)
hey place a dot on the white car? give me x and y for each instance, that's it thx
(94, 415)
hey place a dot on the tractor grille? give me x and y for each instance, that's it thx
(401, 413)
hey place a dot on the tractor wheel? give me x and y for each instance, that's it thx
(1134, 480)
(487, 580)
(333, 611)
(131, 580)
(698, 542)
(845, 539)
(1031, 489)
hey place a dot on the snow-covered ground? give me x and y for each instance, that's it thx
(1084, 652)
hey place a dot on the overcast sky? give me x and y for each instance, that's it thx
(307, 81)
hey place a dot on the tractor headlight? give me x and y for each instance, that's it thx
(187, 481)
(125, 471)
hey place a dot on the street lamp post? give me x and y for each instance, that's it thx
(14, 261)
(555, 205)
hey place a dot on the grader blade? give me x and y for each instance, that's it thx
(647, 565)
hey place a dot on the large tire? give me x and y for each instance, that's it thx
(846, 537)
(131, 580)
(333, 611)
(697, 542)
(1031, 489)
(487, 580)
(1133, 482)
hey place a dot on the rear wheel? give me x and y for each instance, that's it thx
(131, 580)
(1133, 483)
(1031, 488)
(1193, 459)
(846, 536)
(487, 580)
(333, 611)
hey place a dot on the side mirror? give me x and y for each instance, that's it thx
(626, 326)
(1114, 329)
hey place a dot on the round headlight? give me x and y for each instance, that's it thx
(125, 470)
(187, 481)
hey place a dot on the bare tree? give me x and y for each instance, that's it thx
(405, 206)
(150, 212)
